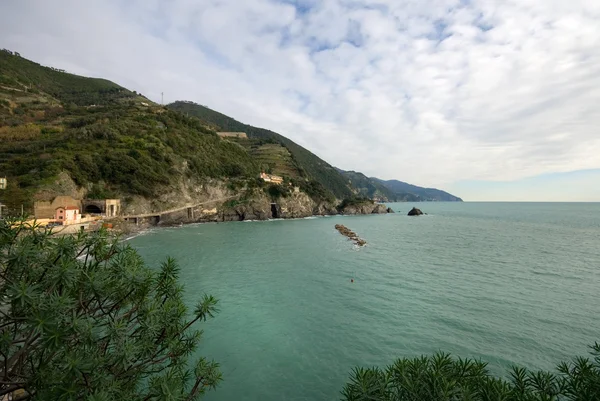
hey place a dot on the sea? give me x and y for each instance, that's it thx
(301, 305)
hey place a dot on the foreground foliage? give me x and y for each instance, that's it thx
(83, 318)
(442, 378)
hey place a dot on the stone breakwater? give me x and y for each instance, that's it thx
(346, 232)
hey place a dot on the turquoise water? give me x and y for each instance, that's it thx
(505, 282)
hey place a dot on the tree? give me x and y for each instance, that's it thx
(442, 378)
(83, 318)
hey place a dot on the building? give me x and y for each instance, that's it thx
(67, 214)
(233, 135)
(3, 182)
(47, 209)
(105, 207)
(275, 179)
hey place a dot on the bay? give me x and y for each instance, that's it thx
(510, 283)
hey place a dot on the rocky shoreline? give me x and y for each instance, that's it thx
(253, 210)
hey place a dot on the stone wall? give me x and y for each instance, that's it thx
(46, 209)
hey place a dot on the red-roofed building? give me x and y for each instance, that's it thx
(68, 214)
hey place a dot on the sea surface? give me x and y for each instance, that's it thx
(510, 283)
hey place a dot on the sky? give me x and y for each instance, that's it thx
(487, 99)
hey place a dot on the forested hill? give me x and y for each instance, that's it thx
(425, 194)
(114, 142)
(110, 140)
(308, 163)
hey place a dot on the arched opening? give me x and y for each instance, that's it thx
(274, 211)
(93, 209)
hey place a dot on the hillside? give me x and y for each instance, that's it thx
(307, 163)
(425, 194)
(107, 138)
(366, 187)
(63, 133)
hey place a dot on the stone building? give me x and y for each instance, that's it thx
(233, 135)
(67, 215)
(47, 209)
(105, 207)
(275, 179)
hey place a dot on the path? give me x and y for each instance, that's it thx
(178, 209)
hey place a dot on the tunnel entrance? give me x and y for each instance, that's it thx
(92, 209)
(274, 211)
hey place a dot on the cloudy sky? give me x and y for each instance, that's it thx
(490, 99)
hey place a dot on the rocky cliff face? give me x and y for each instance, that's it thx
(364, 208)
(184, 192)
(262, 207)
(62, 186)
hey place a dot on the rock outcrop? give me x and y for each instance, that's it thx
(346, 232)
(390, 210)
(364, 208)
(415, 212)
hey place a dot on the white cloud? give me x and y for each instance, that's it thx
(428, 92)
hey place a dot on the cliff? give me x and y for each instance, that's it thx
(254, 204)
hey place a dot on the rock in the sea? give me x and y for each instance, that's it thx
(390, 210)
(379, 209)
(362, 207)
(415, 212)
(346, 232)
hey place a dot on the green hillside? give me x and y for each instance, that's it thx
(101, 134)
(21, 74)
(308, 164)
(366, 187)
(115, 142)
(425, 194)
(373, 188)
(271, 157)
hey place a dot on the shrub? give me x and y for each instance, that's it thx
(353, 201)
(277, 191)
(440, 377)
(83, 318)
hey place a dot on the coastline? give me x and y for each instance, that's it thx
(130, 230)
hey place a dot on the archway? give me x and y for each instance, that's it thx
(92, 209)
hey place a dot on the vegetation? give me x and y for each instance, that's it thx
(442, 378)
(353, 201)
(25, 75)
(83, 318)
(101, 134)
(367, 187)
(308, 165)
(277, 191)
(406, 192)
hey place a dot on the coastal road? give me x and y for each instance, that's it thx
(177, 209)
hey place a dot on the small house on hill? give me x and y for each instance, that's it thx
(3, 183)
(233, 135)
(275, 179)
(47, 209)
(67, 214)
